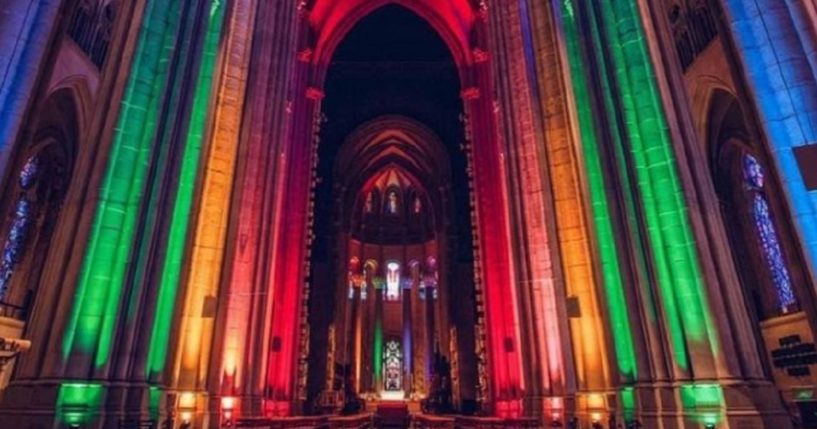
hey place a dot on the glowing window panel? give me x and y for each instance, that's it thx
(30, 172)
(754, 176)
(392, 205)
(14, 248)
(392, 281)
(772, 253)
(393, 359)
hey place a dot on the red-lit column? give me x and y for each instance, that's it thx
(289, 246)
(246, 315)
(493, 242)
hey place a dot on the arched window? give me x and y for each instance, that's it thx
(753, 176)
(32, 198)
(392, 281)
(753, 212)
(392, 202)
(22, 218)
(368, 204)
(393, 367)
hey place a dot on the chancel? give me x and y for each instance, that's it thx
(408, 213)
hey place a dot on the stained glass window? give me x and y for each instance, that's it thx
(14, 247)
(30, 172)
(393, 358)
(767, 233)
(392, 281)
(20, 228)
(391, 203)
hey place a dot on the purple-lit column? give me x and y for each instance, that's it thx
(25, 30)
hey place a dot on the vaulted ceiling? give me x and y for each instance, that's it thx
(332, 19)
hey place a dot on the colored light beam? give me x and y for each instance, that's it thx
(601, 211)
(99, 288)
(182, 208)
(775, 42)
(568, 199)
(668, 228)
(211, 230)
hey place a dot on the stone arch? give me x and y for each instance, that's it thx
(35, 188)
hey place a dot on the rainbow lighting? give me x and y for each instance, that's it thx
(602, 218)
(182, 208)
(99, 287)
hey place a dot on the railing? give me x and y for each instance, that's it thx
(425, 421)
(462, 422)
(14, 311)
(360, 421)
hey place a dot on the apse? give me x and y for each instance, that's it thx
(391, 218)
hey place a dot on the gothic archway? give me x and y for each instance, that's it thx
(34, 194)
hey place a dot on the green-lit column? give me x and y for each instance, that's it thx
(622, 46)
(608, 53)
(184, 196)
(609, 257)
(90, 331)
(377, 347)
(93, 319)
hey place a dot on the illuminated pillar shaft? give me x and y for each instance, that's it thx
(25, 30)
(536, 274)
(211, 228)
(287, 275)
(408, 338)
(186, 183)
(265, 120)
(776, 42)
(377, 349)
(573, 214)
(645, 158)
(90, 330)
(492, 222)
(601, 216)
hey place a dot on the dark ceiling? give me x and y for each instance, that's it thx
(391, 63)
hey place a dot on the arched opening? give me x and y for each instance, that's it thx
(393, 191)
(34, 193)
(764, 249)
(750, 206)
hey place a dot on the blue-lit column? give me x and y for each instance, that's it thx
(776, 42)
(25, 29)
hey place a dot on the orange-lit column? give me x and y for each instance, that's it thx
(563, 156)
(542, 311)
(211, 224)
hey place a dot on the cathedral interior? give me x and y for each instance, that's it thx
(408, 213)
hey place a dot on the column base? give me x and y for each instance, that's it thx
(86, 404)
(706, 405)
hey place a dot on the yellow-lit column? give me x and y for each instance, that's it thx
(564, 156)
(211, 224)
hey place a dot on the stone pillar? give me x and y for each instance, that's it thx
(241, 367)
